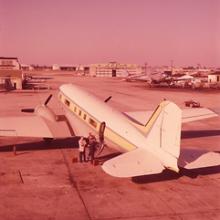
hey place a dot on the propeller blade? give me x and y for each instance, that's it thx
(48, 99)
(28, 110)
(106, 100)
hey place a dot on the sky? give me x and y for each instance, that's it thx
(100, 31)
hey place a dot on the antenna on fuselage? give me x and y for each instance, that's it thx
(106, 100)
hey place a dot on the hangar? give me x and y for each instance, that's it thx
(214, 77)
(114, 69)
(10, 73)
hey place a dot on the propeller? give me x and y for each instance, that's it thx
(31, 110)
(48, 99)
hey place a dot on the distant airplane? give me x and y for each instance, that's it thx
(138, 77)
(159, 79)
(150, 140)
(153, 78)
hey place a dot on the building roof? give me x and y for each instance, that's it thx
(8, 58)
(215, 73)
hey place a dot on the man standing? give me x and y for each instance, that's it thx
(82, 147)
(92, 147)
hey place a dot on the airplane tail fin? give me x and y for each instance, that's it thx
(162, 146)
(163, 131)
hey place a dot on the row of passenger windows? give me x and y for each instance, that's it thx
(91, 121)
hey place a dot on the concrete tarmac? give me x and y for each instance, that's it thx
(42, 182)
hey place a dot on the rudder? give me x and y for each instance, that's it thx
(165, 123)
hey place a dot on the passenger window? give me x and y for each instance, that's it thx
(93, 123)
(80, 112)
(84, 116)
(67, 102)
(75, 109)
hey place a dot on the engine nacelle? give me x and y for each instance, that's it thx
(45, 112)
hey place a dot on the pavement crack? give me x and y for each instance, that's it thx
(20, 175)
(73, 183)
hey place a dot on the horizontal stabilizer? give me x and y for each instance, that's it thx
(193, 159)
(134, 163)
(194, 114)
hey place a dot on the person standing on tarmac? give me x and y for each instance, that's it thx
(92, 147)
(82, 149)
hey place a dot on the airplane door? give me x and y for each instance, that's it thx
(101, 132)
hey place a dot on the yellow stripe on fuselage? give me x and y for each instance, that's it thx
(145, 129)
(118, 140)
(115, 138)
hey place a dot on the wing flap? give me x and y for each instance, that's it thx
(32, 126)
(134, 163)
(188, 115)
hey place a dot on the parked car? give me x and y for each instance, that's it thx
(192, 104)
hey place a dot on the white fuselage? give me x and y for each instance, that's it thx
(84, 109)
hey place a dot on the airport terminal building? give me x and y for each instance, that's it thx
(214, 78)
(114, 69)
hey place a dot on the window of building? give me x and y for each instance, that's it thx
(75, 109)
(7, 62)
(93, 123)
(67, 102)
(218, 78)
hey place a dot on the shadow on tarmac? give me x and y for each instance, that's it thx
(170, 175)
(199, 133)
(102, 159)
(73, 143)
(43, 145)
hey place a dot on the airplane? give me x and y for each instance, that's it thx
(149, 141)
(138, 77)
(154, 78)
(159, 79)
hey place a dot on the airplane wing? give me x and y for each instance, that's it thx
(196, 158)
(134, 163)
(33, 126)
(188, 115)
(194, 114)
(140, 162)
